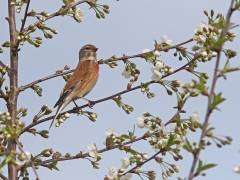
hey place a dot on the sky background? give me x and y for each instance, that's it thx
(130, 27)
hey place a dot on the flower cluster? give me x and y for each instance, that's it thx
(93, 152)
(78, 15)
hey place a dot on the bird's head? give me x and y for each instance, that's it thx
(88, 52)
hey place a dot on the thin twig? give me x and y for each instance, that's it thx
(3, 177)
(104, 99)
(25, 15)
(3, 95)
(139, 165)
(23, 21)
(210, 96)
(59, 12)
(106, 149)
(22, 88)
(34, 169)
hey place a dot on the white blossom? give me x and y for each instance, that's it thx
(146, 50)
(170, 71)
(67, 115)
(156, 53)
(93, 152)
(125, 163)
(78, 15)
(112, 133)
(157, 76)
(141, 122)
(202, 26)
(236, 169)
(112, 174)
(166, 40)
(127, 176)
(195, 117)
(126, 73)
(145, 156)
(159, 65)
(204, 54)
(214, 54)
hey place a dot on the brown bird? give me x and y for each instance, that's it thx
(81, 81)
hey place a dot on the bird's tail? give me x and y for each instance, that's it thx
(60, 108)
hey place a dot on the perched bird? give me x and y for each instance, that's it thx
(81, 81)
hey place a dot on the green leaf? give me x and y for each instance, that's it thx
(217, 99)
(63, 13)
(187, 145)
(133, 152)
(125, 136)
(202, 167)
(118, 101)
(53, 165)
(170, 139)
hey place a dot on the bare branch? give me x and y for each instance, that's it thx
(74, 110)
(3, 177)
(108, 149)
(34, 169)
(59, 12)
(23, 21)
(22, 88)
(139, 165)
(210, 96)
(3, 95)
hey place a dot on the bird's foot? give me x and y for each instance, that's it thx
(91, 104)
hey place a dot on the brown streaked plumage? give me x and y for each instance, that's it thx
(82, 80)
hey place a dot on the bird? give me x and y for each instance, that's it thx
(82, 81)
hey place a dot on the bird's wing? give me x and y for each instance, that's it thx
(74, 81)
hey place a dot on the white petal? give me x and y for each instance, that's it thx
(92, 154)
(159, 65)
(146, 50)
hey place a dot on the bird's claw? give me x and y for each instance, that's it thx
(91, 104)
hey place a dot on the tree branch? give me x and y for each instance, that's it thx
(34, 169)
(3, 177)
(57, 13)
(139, 165)
(3, 95)
(24, 20)
(22, 88)
(210, 96)
(108, 149)
(104, 99)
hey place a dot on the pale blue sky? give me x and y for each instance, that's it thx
(130, 27)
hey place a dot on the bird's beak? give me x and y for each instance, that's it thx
(95, 50)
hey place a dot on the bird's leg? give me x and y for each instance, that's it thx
(77, 107)
(75, 104)
(90, 103)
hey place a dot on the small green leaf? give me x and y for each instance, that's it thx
(53, 165)
(202, 167)
(217, 99)
(125, 136)
(187, 145)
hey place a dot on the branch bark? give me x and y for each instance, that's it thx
(211, 95)
(104, 99)
(57, 13)
(3, 177)
(22, 88)
(108, 149)
(12, 102)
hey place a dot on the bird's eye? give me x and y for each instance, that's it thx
(87, 48)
